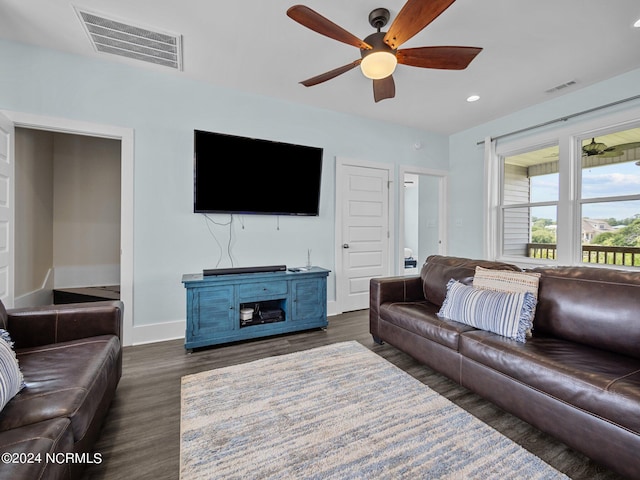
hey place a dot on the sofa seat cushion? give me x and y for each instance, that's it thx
(67, 379)
(597, 381)
(421, 318)
(49, 437)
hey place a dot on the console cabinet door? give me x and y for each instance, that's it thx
(309, 299)
(213, 312)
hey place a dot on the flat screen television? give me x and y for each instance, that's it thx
(242, 175)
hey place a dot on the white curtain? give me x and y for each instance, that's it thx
(491, 198)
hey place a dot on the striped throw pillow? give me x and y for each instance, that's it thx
(505, 313)
(11, 379)
(508, 281)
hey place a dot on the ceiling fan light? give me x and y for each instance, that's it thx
(377, 65)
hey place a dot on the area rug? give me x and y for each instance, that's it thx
(336, 412)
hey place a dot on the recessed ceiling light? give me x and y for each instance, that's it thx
(473, 98)
(637, 24)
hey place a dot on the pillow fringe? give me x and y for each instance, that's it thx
(526, 314)
(4, 335)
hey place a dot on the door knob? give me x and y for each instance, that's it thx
(345, 245)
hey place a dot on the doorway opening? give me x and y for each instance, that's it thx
(422, 220)
(67, 217)
(126, 137)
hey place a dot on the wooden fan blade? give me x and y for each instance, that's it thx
(384, 88)
(413, 17)
(626, 146)
(316, 22)
(331, 74)
(618, 150)
(446, 58)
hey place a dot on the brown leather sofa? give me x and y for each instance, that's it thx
(71, 359)
(577, 377)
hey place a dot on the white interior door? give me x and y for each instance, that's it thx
(364, 248)
(7, 131)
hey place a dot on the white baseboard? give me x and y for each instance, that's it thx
(158, 332)
(39, 297)
(36, 298)
(332, 308)
(86, 275)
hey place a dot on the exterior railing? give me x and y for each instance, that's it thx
(623, 256)
(541, 250)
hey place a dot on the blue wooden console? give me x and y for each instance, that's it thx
(281, 302)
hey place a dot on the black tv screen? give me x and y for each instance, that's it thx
(242, 175)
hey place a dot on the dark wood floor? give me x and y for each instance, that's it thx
(140, 438)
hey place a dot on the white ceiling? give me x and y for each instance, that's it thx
(529, 47)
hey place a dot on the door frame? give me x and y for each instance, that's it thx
(339, 185)
(441, 175)
(7, 243)
(126, 137)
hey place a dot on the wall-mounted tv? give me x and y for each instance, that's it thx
(242, 175)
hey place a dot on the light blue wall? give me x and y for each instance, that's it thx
(466, 157)
(164, 109)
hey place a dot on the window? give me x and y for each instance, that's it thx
(530, 192)
(568, 198)
(610, 198)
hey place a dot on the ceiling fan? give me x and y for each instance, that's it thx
(379, 51)
(601, 150)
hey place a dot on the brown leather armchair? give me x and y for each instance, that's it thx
(71, 359)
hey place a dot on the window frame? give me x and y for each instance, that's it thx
(568, 138)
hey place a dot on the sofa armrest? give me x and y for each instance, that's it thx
(396, 289)
(391, 289)
(35, 326)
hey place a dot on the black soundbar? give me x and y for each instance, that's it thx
(236, 270)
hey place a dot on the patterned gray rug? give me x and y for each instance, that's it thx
(336, 412)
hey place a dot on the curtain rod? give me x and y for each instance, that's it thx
(562, 119)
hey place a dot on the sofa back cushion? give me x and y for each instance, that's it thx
(593, 306)
(438, 270)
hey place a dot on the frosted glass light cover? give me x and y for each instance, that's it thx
(378, 65)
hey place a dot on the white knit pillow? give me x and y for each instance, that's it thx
(506, 281)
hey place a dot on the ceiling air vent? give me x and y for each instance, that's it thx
(111, 36)
(562, 86)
